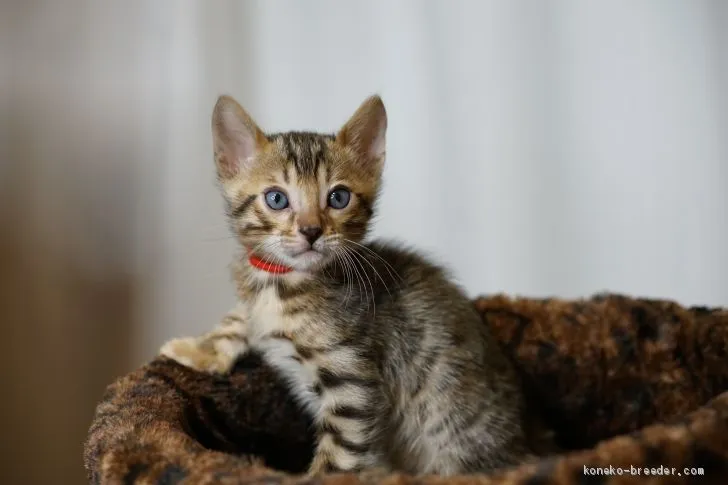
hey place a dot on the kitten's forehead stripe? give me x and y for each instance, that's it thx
(324, 178)
(305, 151)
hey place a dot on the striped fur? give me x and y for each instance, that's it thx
(377, 343)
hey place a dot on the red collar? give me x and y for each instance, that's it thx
(264, 265)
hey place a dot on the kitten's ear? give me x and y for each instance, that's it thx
(236, 138)
(365, 132)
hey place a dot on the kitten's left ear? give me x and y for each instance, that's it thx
(365, 132)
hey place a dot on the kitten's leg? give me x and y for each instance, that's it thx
(351, 408)
(474, 428)
(216, 351)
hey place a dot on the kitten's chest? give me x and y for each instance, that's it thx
(272, 317)
(275, 332)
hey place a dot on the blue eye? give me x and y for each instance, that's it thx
(276, 200)
(339, 198)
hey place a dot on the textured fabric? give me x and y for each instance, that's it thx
(622, 382)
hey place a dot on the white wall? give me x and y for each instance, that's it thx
(538, 148)
(558, 148)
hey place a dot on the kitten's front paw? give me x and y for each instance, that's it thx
(318, 467)
(323, 462)
(215, 356)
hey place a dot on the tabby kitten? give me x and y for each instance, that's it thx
(388, 355)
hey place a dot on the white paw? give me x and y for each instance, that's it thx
(175, 350)
(216, 355)
(227, 352)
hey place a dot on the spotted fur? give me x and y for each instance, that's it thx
(386, 353)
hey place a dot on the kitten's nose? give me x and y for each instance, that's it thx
(311, 233)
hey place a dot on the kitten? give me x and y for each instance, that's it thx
(388, 355)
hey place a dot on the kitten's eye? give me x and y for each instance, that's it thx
(276, 200)
(339, 198)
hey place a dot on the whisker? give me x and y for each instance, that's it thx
(359, 280)
(371, 286)
(350, 275)
(386, 263)
(363, 258)
(345, 270)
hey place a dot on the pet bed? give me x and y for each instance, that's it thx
(634, 391)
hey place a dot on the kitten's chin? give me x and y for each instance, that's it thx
(307, 261)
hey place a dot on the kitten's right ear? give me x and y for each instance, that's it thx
(236, 138)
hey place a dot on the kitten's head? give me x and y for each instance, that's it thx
(296, 198)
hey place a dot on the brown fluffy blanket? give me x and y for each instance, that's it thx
(634, 389)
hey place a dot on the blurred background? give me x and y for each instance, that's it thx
(539, 148)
